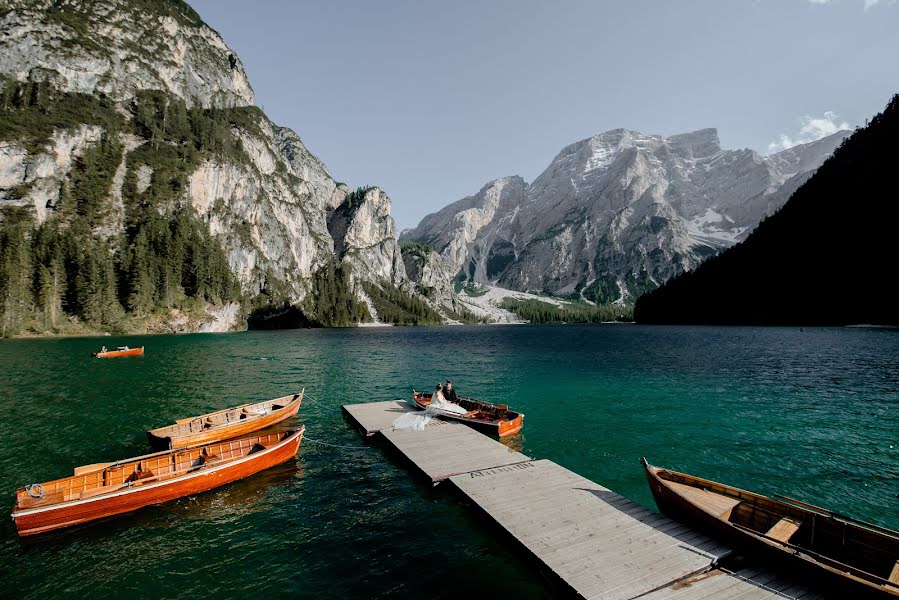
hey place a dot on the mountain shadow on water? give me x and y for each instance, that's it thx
(828, 257)
(278, 317)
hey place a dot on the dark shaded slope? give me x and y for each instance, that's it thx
(828, 257)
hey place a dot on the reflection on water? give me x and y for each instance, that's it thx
(514, 443)
(812, 415)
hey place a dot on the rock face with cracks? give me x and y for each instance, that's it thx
(616, 214)
(273, 206)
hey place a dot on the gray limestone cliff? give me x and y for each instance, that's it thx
(269, 202)
(616, 214)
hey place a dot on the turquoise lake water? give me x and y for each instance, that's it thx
(811, 414)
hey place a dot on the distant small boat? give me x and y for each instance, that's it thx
(120, 351)
(107, 489)
(860, 556)
(224, 424)
(492, 419)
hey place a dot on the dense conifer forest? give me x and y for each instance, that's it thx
(75, 268)
(537, 311)
(828, 257)
(165, 258)
(396, 307)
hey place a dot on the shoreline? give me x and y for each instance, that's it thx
(40, 336)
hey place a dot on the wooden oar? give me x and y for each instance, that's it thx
(207, 415)
(805, 504)
(108, 489)
(85, 469)
(829, 513)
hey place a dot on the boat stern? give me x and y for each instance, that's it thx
(511, 427)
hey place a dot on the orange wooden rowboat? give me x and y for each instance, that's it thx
(103, 490)
(862, 559)
(123, 351)
(224, 424)
(492, 419)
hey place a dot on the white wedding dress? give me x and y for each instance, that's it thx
(419, 419)
(438, 402)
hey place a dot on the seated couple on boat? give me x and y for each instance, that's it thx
(445, 399)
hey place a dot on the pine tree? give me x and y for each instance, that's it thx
(15, 273)
(139, 289)
(50, 289)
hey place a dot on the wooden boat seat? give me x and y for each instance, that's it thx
(716, 504)
(894, 576)
(138, 475)
(784, 529)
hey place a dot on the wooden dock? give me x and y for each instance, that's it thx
(592, 541)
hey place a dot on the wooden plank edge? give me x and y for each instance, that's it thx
(356, 423)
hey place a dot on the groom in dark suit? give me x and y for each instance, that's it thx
(449, 392)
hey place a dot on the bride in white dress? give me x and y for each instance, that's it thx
(438, 405)
(438, 402)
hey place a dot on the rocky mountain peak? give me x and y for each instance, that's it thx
(118, 47)
(804, 157)
(103, 134)
(616, 213)
(702, 143)
(364, 236)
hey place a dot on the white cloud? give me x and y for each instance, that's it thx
(868, 3)
(812, 128)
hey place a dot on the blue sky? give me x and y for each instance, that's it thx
(431, 100)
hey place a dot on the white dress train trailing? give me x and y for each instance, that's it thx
(419, 419)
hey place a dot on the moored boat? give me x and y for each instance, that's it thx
(862, 558)
(120, 351)
(224, 424)
(492, 419)
(107, 489)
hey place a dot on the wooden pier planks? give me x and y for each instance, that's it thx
(745, 584)
(445, 449)
(372, 417)
(442, 450)
(598, 542)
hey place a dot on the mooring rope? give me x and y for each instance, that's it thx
(329, 444)
(307, 439)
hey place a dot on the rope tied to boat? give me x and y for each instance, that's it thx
(35, 490)
(308, 439)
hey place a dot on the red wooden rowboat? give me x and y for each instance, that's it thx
(492, 419)
(121, 351)
(103, 490)
(224, 424)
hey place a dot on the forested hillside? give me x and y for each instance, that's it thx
(66, 267)
(142, 190)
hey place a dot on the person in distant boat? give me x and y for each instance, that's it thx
(449, 392)
(103, 349)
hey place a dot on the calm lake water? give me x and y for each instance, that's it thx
(811, 414)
